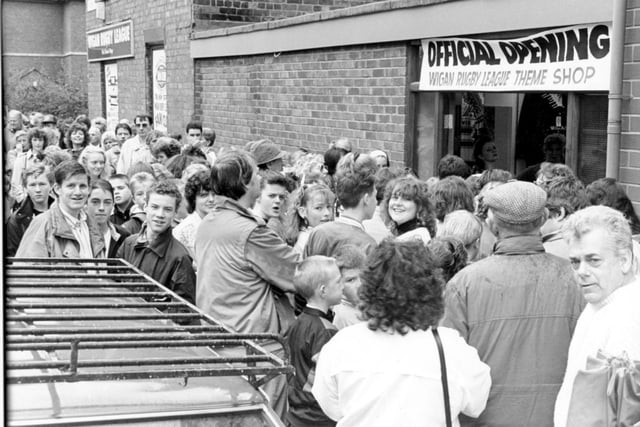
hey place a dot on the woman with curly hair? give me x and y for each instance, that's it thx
(386, 370)
(312, 206)
(197, 193)
(77, 138)
(407, 209)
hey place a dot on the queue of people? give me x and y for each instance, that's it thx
(469, 299)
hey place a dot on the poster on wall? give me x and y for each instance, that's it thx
(572, 58)
(158, 59)
(111, 94)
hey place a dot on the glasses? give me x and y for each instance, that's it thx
(142, 125)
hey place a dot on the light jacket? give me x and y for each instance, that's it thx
(50, 236)
(243, 267)
(518, 308)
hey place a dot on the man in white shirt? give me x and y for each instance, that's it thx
(600, 252)
(135, 149)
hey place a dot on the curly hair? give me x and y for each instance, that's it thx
(196, 184)
(38, 134)
(608, 192)
(166, 188)
(169, 146)
(450, 194)
(450, 255)
(566, 192)
(75, 127)
(453, 165)
(410, 188)
(401, 288)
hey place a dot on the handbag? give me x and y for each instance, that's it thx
(443, 376)
(606, 393)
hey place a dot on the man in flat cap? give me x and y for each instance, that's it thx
(518, 308)
(267, 155)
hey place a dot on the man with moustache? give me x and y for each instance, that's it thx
(64, 231)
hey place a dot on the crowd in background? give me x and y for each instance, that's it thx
(357, 263)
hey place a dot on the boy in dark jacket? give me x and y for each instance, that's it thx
(37, 181)
(318, 280)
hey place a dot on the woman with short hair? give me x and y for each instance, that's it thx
(386, 371)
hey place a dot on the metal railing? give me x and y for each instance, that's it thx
(62, 315)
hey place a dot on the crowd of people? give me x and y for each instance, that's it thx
(468, 298)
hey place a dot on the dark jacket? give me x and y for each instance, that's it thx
(518, 308)
(18, 223)
(118, 236)
(119, 217)
(306, 337)
(164, 259)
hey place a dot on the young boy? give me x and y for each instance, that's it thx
(140, 184)
(317, 279)
(155, 251)
(122, 200)
(351, 261)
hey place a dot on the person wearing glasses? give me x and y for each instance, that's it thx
(135, 150)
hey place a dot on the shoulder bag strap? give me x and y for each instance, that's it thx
(443, 375)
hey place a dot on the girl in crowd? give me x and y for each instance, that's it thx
(367, 371)
(94, 160)
(197, 193)
(37, 141)
(485, 153)
(313, 206)
(99, 205)
(407, 209)
(77, 139)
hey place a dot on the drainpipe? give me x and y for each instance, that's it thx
(615, 88)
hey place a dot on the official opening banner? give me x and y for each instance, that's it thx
(573, 58)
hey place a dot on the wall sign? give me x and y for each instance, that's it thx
(110, 42)
(159, 75)
(564, 59)
(111, 94)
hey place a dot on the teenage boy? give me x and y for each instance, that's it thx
(37, 181)
(318, 280)
(194, 132)
(121, 198)
(271, 203)
(355, 187)
(64, 231)
(154, 250)
(351, 261)
(140, 184)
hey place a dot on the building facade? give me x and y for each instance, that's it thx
(43, 45)
(305, 72)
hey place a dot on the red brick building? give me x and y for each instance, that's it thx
(303, 72)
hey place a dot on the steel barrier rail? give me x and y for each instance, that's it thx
(86, 305)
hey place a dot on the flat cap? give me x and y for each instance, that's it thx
(265, 151)
(49, 118)
(516, 202)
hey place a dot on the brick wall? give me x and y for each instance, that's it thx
(264, 10)
(173, 18)
(630, 143)
(306, 99)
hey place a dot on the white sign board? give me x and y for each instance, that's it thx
(111, 94)
(564, 59)
(159, 62)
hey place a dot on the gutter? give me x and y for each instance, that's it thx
(614, 119)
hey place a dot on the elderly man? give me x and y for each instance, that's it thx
(518, 308)
(14, 124)
(599, 240)
(240, 261)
